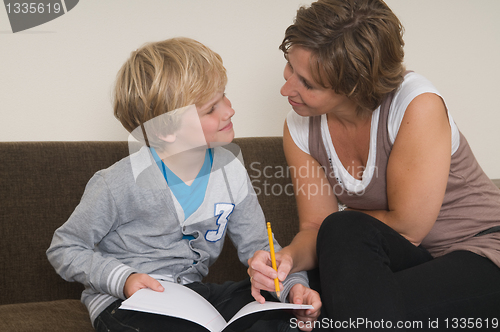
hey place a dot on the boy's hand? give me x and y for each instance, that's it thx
(137, 281)
(262, 274)
(299, 294)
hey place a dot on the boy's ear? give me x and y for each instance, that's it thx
(170, 138)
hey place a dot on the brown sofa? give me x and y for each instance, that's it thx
(40, 185)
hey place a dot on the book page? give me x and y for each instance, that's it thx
(182, 302)
(176, 301)
(255, 306)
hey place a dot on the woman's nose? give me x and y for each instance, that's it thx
(286, 89)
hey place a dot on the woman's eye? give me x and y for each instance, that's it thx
(306, 85)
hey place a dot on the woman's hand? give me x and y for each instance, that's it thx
(137, 281)
(299, 294)
(262, 274)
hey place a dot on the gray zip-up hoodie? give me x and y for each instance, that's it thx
(128, 221)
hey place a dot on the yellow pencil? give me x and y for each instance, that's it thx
(273, 258)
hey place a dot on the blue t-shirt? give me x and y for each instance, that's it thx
(189, 197)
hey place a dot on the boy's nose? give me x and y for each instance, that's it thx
(230, 111)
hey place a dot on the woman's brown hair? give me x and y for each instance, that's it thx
(356, 47)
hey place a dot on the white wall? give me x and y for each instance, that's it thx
(56, 79)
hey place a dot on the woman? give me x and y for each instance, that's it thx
(420, 238)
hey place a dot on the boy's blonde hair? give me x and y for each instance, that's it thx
(164, 76)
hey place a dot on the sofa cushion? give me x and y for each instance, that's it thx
(53, 316)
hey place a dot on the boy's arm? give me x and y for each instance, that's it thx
(72, 251)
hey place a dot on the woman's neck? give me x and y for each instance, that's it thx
(349, 117)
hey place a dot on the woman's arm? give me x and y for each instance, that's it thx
(315, 201)
(418, 168)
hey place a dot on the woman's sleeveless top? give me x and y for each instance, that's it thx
(470, 214)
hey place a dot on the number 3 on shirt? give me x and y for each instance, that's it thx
(223, 210)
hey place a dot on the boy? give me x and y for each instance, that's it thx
(162, 213)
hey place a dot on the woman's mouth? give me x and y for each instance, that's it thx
(293, 103)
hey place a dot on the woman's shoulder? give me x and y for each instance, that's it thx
(412, 86)
(298, 126)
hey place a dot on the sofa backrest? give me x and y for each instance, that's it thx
(41, 183)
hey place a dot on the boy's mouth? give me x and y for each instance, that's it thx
(228, 127)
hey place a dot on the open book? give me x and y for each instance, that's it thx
(191, 306)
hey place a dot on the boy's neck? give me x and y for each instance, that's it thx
(186, 164)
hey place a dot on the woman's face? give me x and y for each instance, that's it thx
(307, 97)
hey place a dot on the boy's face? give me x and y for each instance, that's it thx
(215, 118)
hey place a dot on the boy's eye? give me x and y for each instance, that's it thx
(212, 109)
(214, 106)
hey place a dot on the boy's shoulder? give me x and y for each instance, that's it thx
(228, 157)
(121, 166)
(129, 168)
